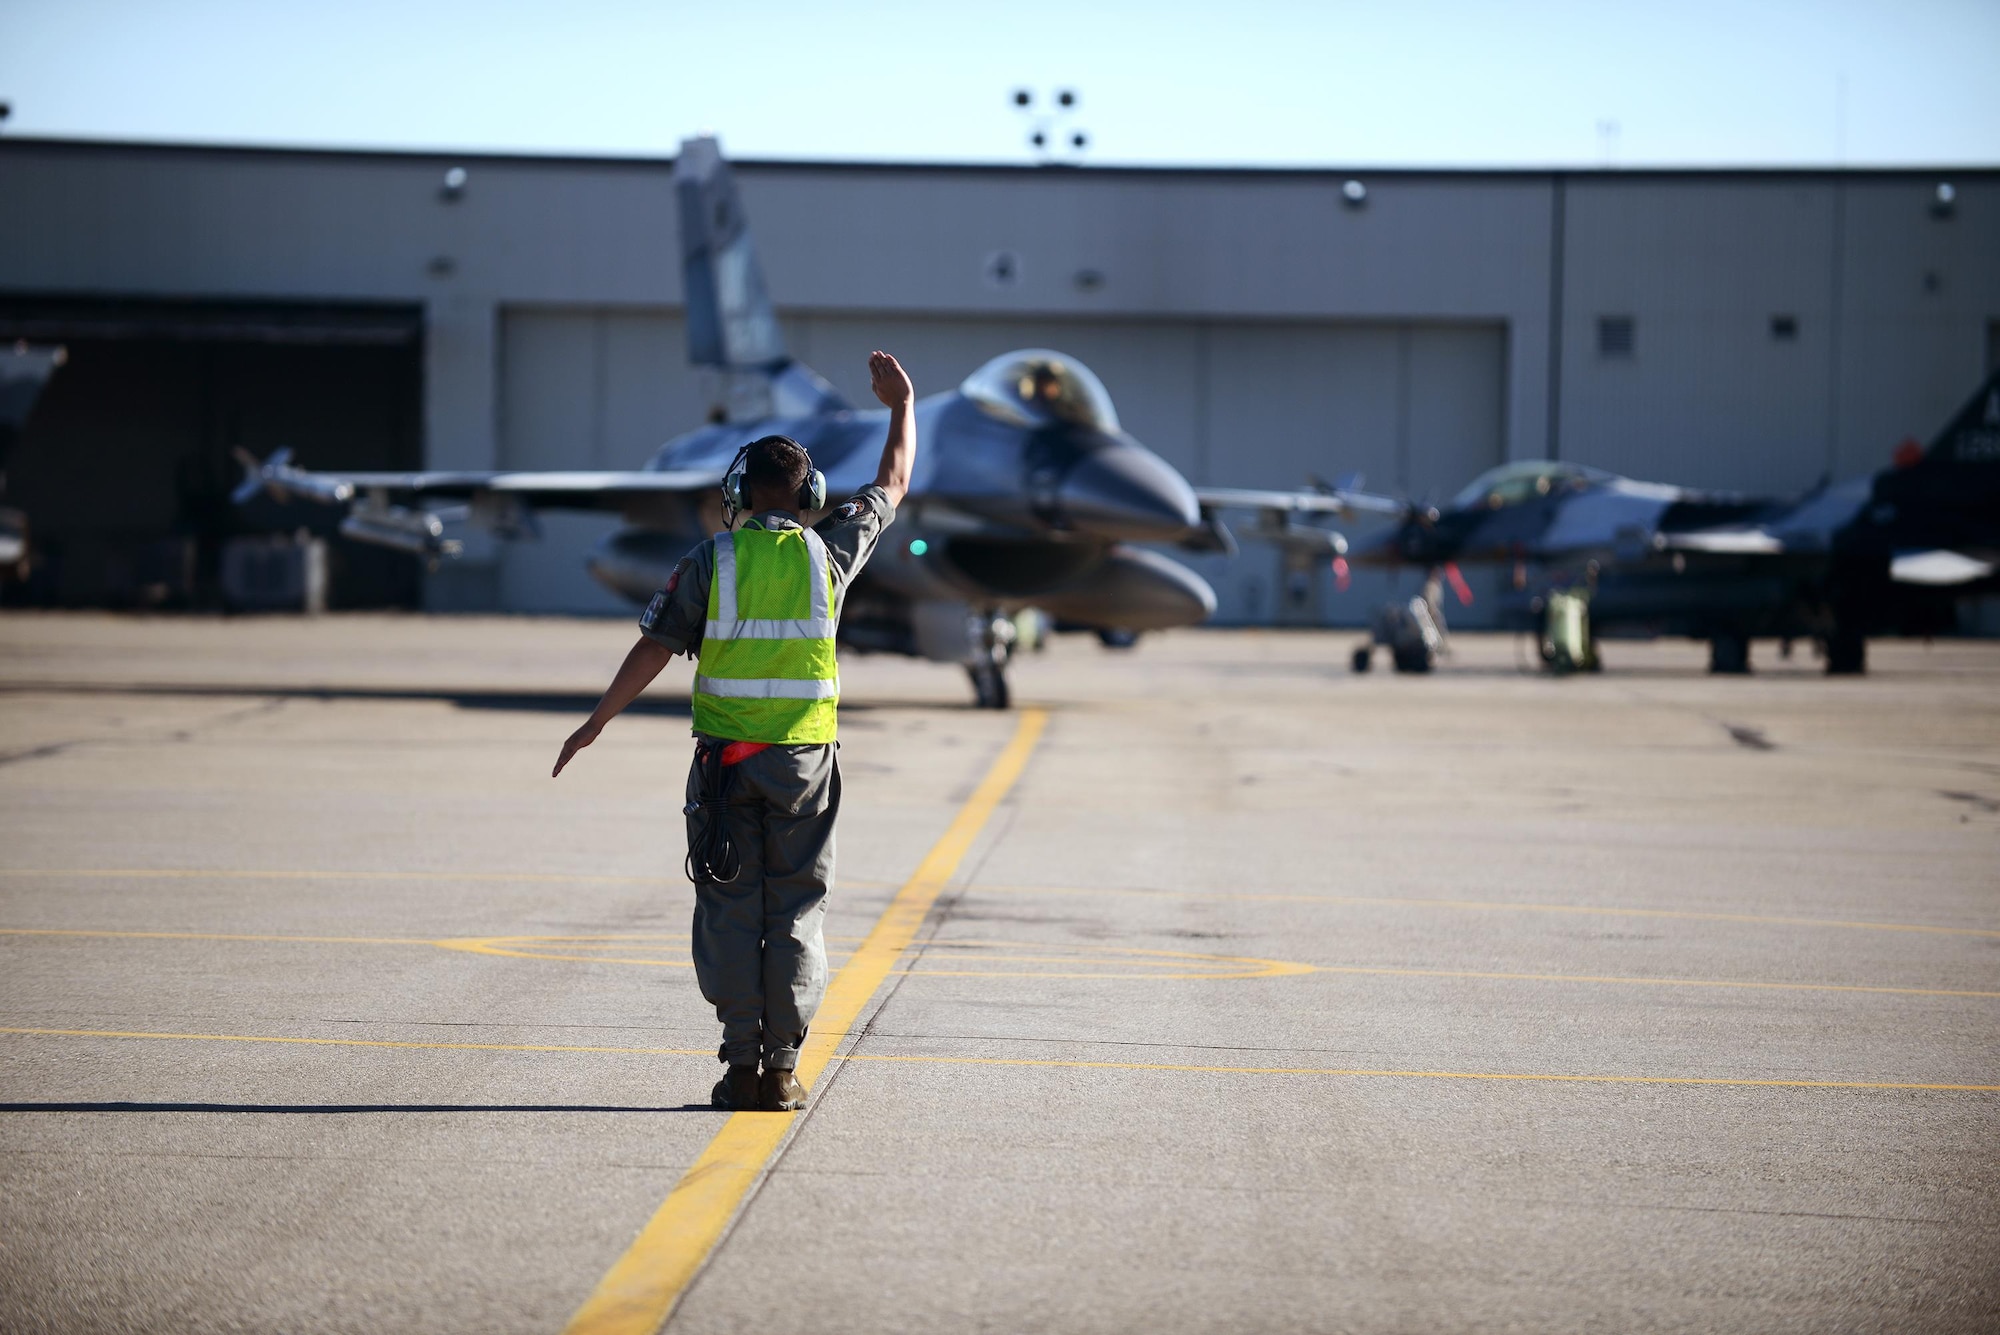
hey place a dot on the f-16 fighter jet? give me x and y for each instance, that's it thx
(1872, 555)
(1027, 492)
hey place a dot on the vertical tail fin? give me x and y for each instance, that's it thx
(1958, 477)
(1972, 437)
(731, 324)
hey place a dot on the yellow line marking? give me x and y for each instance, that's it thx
(1159, 959)
(367, 1042)
(639, 1291)
(298, 874)
(1649, 982)
(1425, 1075)
(1060, 1063)
(559, 878)
(1386, 901)
(219, 936)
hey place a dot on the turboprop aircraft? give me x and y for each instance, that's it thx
(1885, 553)
(1027, 492)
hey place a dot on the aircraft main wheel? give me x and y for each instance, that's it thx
(1364, 658)
(989, 686)
(1417, 659)
(1846, 653)
(1729, 654)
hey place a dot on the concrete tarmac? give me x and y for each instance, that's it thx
(1271, 998)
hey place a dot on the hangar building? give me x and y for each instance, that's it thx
(1735, 329)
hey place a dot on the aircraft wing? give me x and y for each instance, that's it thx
(585, 490)
(502, 501)
(1284, 517)
(1940, 568)
(1333, 501)
(1723, 542)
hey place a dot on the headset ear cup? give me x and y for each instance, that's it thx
(812, 496)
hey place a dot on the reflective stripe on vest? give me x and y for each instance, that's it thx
(767, 671)
(818, 626)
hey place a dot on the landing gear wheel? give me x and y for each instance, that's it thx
(1729, 654)
(1846, 653)
(989, 685)
(1413, 658)
(1364, 658)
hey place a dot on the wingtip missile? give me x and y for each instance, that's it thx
(277, 477)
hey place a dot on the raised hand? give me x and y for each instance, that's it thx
(890, 382)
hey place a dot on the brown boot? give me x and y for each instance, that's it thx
(736, 1091)
(781, 1092)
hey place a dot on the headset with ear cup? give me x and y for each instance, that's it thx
(736, 482)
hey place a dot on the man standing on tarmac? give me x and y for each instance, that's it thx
(760, 605)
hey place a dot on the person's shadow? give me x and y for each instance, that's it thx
(346, 1108)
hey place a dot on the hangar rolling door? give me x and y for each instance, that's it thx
(1418, 408)
(124, 470)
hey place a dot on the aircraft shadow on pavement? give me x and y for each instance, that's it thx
(542, 702)
(537, 702)
(347, 1108)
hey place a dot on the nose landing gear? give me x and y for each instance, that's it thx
(988, 667)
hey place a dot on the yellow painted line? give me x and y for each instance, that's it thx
(366, 1042)
(1653, 982)
(218, 936)
(305, 874)
(1480, 905)
(1427, 1075)
(640, 1290)
(1125, 957)
(1386, 1073)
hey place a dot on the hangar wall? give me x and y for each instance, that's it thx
(1251, 325)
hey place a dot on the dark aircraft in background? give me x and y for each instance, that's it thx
(1027, 492)
(24, 369)
(1890, 553)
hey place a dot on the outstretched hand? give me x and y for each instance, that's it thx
(888, 379)
(579, 739)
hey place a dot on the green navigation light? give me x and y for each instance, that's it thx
(918, 546)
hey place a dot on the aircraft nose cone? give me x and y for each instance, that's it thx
(1125, 491)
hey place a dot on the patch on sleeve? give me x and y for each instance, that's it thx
(852, 511)
(650, 618)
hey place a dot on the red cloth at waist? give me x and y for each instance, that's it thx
(737, 752)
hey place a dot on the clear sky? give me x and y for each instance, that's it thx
(1419, 82)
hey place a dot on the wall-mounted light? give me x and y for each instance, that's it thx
(1089, 280)
(1353, 194)
(1944, 200)
(453, 188)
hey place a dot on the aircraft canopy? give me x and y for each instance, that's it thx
(1527, 480)
(1037, 387)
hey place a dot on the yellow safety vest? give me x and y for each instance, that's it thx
(767, 670)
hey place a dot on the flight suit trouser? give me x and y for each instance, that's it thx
(758, 951)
